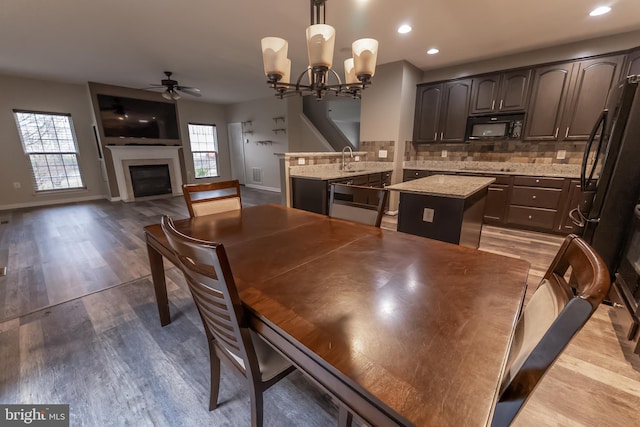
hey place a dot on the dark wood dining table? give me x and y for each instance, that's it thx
(401, 329)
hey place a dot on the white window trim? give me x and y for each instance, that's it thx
(216, 151)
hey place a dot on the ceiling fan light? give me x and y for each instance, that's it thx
(365, 55)
(321, 39)
(274, 55)
(175, 95)
(166, 95)
(349, 72)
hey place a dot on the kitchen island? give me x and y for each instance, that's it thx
(443, 207)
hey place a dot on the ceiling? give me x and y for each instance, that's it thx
(215, 45)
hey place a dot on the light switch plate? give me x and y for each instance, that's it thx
(382, 154)
(357, 159)
(302, 161)
(562, 154)
(444, 153)
(427, 214)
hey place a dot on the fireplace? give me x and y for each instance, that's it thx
(150, 180)
(156, 162)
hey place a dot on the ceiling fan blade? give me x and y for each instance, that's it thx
(189, 90)
(153, 87)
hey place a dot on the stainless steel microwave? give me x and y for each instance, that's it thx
(496, 126)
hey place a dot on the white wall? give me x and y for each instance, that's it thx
(261, 113)
(45, 96)
(208, 114)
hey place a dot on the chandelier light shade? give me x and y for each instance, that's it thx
(365, 55)
(321, 40)
(274, 55)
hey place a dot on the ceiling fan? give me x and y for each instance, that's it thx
(172, 89)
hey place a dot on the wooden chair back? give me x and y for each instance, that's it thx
(555, 313)
(208, 274)
(356, 203)
(211, 198)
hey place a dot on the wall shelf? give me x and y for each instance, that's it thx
(283, 130)
(264, 142)
(277, 119)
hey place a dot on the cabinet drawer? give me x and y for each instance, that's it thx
(360, 180)
(500, 179)
(536, 197)
(531, 217)
(532, 181)
(410, 174)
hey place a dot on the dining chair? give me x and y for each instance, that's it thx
(211, 198)
(356, 203)
(208, 273)
(555, 313)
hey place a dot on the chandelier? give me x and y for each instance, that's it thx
(321, 39)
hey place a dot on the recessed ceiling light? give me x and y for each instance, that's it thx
(600, 11)
(433, 51)
(404, 29)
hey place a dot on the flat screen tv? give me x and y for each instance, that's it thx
(137, 118)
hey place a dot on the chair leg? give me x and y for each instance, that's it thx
(256, 408)
(345, 418)
(214, 370)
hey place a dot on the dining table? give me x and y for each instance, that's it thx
(400, 329)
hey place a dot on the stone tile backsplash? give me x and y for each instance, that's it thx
(506, 151)
(373, 149)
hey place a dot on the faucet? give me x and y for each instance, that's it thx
(344, 150)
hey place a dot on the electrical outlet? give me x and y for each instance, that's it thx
(302, 161)
(16, 185)
(562, 154)
(357, 159)
(382, 154)
(444, 153)
(427, 214)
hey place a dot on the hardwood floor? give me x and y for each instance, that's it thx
(81, 327)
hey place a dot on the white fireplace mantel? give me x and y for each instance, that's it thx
(124, 156)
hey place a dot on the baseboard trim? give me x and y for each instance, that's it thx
(262, 187)
(51, 202)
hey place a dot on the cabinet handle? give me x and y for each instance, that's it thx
(533, 197)
(556, 134)
(530, 217)
(501, 102)
(435, 136)
(537, 181)
(566, 134)
(441, 133)
(493, 104)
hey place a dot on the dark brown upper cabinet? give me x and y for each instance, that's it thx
(632, 65)
(441, 112)
(500, 92)
(566, 99)
(427, 116)
(590, 87)
(548, 97)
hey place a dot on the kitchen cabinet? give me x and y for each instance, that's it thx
(548, 96)
(632, 64)
(535, 202)
(497, 200)
(567, 98)
(411, 174)
(441, 112)
(590, 87)
(500, 92)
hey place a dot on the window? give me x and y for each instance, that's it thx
(49, 142)
(204, 147)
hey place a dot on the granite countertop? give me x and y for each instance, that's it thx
(455, 186)
(332, 171)
(497, 168)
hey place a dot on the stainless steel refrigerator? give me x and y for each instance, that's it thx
(610, 175)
